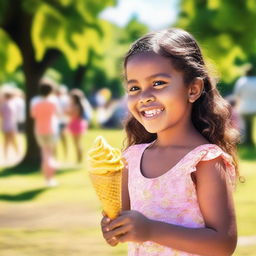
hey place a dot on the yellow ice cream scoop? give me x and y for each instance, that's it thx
(102, 158)
(105, 167)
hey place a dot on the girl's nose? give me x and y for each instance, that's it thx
(145, 99)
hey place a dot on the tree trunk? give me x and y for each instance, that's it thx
(79, 74)
(32, 155)
(18, 26)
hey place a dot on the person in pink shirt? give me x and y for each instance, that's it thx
(181, 155)
(44, 112)
(77, 124)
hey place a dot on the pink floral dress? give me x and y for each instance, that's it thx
(170, 197)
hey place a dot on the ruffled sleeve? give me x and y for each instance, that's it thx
(209, 152)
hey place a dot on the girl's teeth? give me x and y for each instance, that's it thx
(150, 113)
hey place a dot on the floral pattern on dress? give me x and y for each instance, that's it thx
(171, 197)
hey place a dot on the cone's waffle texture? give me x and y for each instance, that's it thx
(108, 189)
(105, 167)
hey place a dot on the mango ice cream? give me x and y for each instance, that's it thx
(105, 167)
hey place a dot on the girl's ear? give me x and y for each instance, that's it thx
(195, 89)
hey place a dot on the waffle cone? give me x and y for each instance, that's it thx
(108, 189)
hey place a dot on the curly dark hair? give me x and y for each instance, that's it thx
(210, 113)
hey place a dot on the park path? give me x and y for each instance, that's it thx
(55, 215)
(59, 216)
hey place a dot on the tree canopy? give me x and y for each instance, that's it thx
(225, 30)
(71, 27)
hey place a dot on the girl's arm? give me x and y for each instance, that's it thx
(125, 192)
(215, 200)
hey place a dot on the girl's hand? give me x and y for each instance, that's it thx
(129, 226)
(104, 223)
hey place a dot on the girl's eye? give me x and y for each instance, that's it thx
(134, 88)
(157, 83)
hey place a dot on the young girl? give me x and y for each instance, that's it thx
(77, 124)
(181, 167)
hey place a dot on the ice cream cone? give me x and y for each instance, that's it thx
(108, 189)
(105, 167)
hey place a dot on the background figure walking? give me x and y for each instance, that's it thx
(8, 113)
(78, 123)
(245, 92)
(45, 111)
(63, 101)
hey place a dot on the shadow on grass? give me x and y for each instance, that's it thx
(247, 152)
(26, 169)
(19, 169)
(24, 196)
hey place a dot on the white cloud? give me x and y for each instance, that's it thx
(156, 14)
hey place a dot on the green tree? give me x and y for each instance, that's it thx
(225, 30)
(42, 30)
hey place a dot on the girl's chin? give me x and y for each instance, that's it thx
(152, 129)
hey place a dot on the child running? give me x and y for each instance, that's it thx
(181, 156)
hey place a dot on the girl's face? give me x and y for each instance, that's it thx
(157, 95)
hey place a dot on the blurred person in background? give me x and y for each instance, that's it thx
(63, 100)
(21, 109)
(110, 112)
(78, 121)
(235, 118)
(8, 113)
(44, 111)
(245, 92)
(105, 106)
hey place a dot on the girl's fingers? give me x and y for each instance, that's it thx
(124, 238)
(120, 221)
(117, 232)
(113, 241)
(105, 221)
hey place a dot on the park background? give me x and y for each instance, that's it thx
(81, 43)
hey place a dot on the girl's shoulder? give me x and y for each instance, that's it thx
(208, 152)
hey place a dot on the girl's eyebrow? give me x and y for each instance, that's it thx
(160, 74)
(131, 81)
(151, 77)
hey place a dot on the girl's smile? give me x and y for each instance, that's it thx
(157, 95)
(151, 113)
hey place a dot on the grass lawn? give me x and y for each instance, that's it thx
(36, 221)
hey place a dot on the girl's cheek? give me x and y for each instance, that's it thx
(131, 102)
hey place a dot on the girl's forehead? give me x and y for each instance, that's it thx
(148, 58)
(148, 62)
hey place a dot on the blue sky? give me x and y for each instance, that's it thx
(157, 14)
